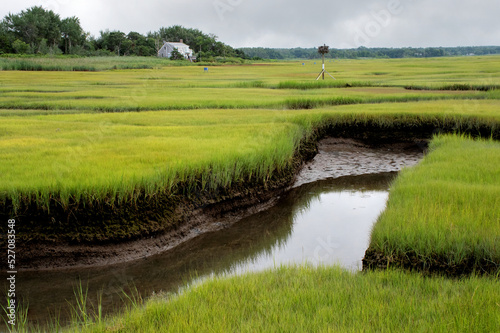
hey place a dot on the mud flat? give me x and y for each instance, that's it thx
(339, 157)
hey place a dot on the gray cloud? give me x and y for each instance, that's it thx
(295, 23)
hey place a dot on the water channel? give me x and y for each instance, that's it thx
(325, 218)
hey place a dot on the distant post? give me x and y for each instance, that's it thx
(323, 50)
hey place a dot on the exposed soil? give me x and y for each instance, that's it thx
(349, 157)
(51, 255)
(186, 218)
(438, 265)
(98, 234)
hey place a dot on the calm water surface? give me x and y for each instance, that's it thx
(325, 222)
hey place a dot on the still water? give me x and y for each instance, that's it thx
(323, 222)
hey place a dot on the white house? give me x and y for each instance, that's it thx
(168, 47)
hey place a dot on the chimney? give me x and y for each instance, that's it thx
(181, 41)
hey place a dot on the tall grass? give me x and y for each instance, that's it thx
(83, 314)
(444, 211)
(103, 156)
(110, 97)
(21, 317)
(84, 64)
(87, 160)
(306, 299)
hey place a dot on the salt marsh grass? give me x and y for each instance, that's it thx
(102, 155)
(231, 124)
(306, 299)
(84, 64)
(446, 208)
(164, 87)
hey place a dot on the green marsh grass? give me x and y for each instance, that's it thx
(454, 86)
(308, 299)
(481, 70)
(21, 317)
(84, 64)
(53, 145)
(307, 85)
(133, 96)
(164, 87)
(446, 208)
(114, 155)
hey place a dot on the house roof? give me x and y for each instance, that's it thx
(177, 44)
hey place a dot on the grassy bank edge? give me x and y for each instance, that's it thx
(441, 215)
(207, 185)
(300, 128)
(314, 299)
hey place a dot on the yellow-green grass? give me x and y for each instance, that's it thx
(98, 156)
(467, 70)
(425, 72)
(134, 90)
(445, 210)
(64, 63)
(394, 72)
(323, 299)
(110, 157)
(248, 86)
(80, 155)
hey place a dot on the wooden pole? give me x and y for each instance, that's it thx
(323, 66)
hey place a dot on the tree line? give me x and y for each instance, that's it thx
(40, 31)
(363, 52)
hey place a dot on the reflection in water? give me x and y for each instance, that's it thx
(326, 222)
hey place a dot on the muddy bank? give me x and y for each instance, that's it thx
(339, 157)
(100, 233)
(104, 232)
(152, 227)
(438, 265)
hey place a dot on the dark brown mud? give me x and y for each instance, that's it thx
(102, 233)
(434, 265)
(182, 218)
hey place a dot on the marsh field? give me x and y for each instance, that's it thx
(107, 150)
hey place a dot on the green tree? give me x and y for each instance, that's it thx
(72, 33)
(140, 45)
(33, 25)
(176, 55)
(111, 41)
(20, 47)
(6, 39)
(115, 41)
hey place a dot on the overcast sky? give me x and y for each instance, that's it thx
(294, 23)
